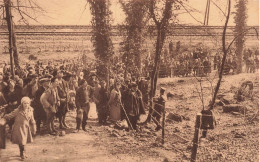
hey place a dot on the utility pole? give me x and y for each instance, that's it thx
(206, 18)
(9, 21)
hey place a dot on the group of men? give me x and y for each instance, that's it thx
(196, 63)
(55, 90)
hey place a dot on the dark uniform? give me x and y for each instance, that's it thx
(159, 106)
(83, 95)
(135, 106)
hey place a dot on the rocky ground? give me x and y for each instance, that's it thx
(235, 137)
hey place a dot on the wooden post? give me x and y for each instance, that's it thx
(196, 138)
(2, 137)
(163, 124)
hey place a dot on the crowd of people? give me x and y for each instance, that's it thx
(201, 63)
(37, 94)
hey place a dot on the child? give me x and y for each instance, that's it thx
(24, 126)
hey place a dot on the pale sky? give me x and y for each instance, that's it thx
(71, 12)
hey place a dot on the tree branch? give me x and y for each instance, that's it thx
(211, 106)
(151, 8)
(189, 12)
(219, 8)
(242, 34)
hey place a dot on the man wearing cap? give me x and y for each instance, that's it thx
(63, 89)
(50, 101)
(83, 96)
(39, 113)
(31, 87)
(159, 106)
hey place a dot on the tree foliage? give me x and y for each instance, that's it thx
(135, 22)
(240, 19)
(101, 37)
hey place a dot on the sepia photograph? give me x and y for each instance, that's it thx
(129, 80)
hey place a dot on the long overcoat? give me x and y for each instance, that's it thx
(23, 127)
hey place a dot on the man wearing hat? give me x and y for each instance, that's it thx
(50, 101)
(63, 90)
(39, 113)
(135, 106)
(83, 96)
(31, 87)
(159, 106)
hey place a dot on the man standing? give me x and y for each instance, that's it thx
(50, 101)
(83, 96)
(102, 103)
(63, 89)
(159, 106)
(135, 106)
(39, 113)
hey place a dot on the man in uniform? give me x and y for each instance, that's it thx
(83, 96)
(159, 106)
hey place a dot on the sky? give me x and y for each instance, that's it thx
(77, 12)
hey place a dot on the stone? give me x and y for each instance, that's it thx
(234, 108)
(62, 133)
(180, 81)
(239, 135)
(175, 117)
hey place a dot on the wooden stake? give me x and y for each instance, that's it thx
(2, 137)
(196, 138)
(163, 124)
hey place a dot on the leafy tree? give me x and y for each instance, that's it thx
(101, 40)
(136, 13)
(240, 21)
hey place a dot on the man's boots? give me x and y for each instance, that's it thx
(21, 147)
(84, 127)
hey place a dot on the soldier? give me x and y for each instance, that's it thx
(158, 108)
(83, 96)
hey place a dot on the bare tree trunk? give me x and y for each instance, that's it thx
(10, 30)
(161, 27)
(15, 50)
(225, 51)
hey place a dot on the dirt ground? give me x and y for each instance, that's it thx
(235, 138)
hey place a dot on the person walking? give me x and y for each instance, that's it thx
(24, 126)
